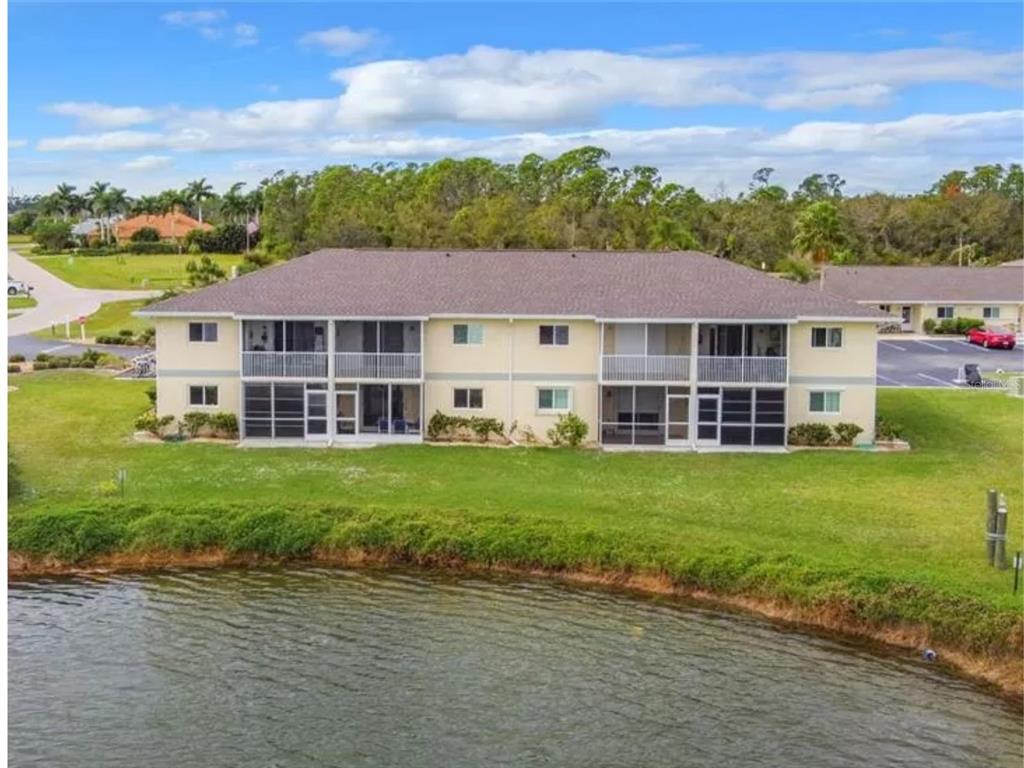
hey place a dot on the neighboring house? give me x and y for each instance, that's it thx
(171, 226)
(915, 294)
(653, 348)
(88, 230)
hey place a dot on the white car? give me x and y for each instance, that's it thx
(14, 287)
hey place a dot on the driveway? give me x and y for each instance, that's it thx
(30, 346)
(55, 298)
(935, 362)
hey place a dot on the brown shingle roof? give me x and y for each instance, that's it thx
(927, 284)
(606, 284)
(169, 225)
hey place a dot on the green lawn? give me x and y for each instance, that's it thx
(108, 320)
(127, 271)
(16, 304)
(19, 239)
(822, 518)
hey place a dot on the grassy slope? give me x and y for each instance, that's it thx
(20, 302)
(804, 524)
(126, 271)
(106, 321)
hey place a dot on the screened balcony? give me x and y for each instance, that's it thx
(378, 350)
(284, 349)
(742, 353)
(641, 352)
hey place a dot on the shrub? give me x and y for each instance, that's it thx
(227, 238)
(224, 424)
(150, 249)
(150, 422)
(151, 394)
(929, 325)
(569, 430)
(68, 535)
(112, 340)
(277, 533)
(174, 532)
(42, 357)
(15, 483)
(444, 427)
(194, 421)
(810, 433)
(204, 272)
(146, 235)
(846, 432)
(887, 430)
(52, 234)
(20, 223)
(13, 369)
(146, 337)
(16, 359)
(957, 326)
(127, 332)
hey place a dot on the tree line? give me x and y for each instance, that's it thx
(578, 200)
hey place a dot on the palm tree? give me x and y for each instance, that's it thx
(253, 211)
(67, 202)
(233, 204)
(114, 200)
(198, 191)
(170, 201)
(148, 204)
(818, 231)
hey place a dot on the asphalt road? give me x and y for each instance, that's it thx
(55, 298)
(934, 363)
(30, 346)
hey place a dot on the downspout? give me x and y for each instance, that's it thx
(511, 365)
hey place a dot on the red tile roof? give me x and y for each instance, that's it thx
(169, 225)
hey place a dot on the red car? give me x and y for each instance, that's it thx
(992, 336)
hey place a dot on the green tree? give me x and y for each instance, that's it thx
(206, 271)
(196, 193)
(819, 232)
(51, 234)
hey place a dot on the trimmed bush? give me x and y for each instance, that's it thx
(145, 235)
(846, 432)
(149, 422)
(570, 430)
(444, 427)
(194, 421)
(16, 359)
(887, 430)
(224, 425)
(955, 326)
(810, 433)
(929, 325)
(14, 369)
(150, 249)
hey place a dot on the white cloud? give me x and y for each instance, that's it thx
(246, 35)
(16, 143)
(202, 18)
(498, 86)
(339, 41)
(147, 163)
(91, 113)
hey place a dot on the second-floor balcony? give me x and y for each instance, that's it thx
(742, 370)
(295, 365)
(673, 368)
(378, 365)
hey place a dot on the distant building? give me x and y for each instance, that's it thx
(915, 294)
(171, 226)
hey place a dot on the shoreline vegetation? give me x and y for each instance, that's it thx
(882, 545)
(1001, 671)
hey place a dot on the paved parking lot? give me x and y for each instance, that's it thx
(934, 363)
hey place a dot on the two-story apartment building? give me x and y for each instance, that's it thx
(670, 349)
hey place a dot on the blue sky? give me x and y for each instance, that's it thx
(151, 95)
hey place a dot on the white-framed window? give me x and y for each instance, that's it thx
(885, 307)
(554, 335)
(944, 312)
(202, 331)
(468, 333)
(202, 395)
(827, 338)
(990, 313)
(554, 399)
(825, 402)
(468, 397)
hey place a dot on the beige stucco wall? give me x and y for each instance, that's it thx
(849, 369)
(1009, 314)
(512, 346)
(182, 363)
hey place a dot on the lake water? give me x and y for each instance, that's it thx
(326, 667)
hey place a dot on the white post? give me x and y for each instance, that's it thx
(692, 416)
(67, 326)
(81, 327)
(332, 399)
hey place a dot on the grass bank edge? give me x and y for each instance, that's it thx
(862, 597)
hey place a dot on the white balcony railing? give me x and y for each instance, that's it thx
(744, 370)
(370, 365)
(297, 365)
(645, 368)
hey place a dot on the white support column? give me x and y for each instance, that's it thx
(332, 399)
(510, 410)
(694, 344)
(241, 381)
(423, 380)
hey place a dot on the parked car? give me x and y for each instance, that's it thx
(992, 336)
(14, 287)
